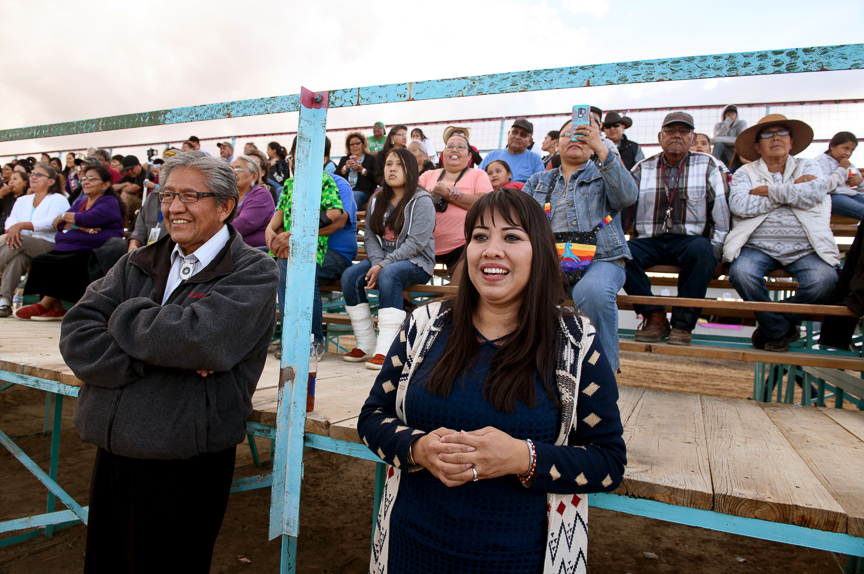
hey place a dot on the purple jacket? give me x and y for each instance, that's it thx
(253, 215)
(104, 213)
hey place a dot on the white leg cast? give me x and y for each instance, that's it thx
(389, 322)
(364, 332)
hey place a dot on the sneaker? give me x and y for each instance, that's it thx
(375, 363)
(5, 311)
(653, 328)
(50, 315)
(679, 337)
(30, 311)
(780, 345)
(356, 356)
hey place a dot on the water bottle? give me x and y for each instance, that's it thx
(313, 373)
(18, 299)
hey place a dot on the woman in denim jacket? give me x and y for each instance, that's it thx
(591, 184)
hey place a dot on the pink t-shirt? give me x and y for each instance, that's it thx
(449, 226)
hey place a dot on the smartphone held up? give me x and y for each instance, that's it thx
(581, 116)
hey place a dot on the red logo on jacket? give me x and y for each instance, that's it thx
(197, 295)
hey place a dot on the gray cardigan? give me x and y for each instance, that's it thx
(415, 242)
(141, 396)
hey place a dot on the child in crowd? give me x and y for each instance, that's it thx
(499, 174)
(846, 185)
(701, 143)
(400, 250)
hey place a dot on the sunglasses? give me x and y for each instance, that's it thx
(607, 126)
(770, 134)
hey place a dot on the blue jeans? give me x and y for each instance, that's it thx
(848, 205)
(693, 253)
(723, 154)
(330, 271)
(594, 295)
(360, 198)
(391, 281)
(816, 281)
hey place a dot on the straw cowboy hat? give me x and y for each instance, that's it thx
(448, 131)
(802, 135)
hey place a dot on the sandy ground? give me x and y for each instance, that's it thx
(336, 509)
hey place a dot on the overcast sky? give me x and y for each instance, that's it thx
(66, 61)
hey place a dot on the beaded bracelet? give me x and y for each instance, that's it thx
(526, 478)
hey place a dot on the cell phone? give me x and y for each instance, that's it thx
(581, 116)
(353, 158)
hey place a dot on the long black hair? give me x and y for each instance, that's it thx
(840, 138)
(388, 145)
(396, 219)
(532, 347)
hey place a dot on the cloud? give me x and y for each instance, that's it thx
(596, 8)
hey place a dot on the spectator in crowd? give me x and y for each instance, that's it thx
(117, 162)
(131, 187)
(329, 165)
(701, 143)
(255, 205)
(482, 365)
(104, 158)
(590, 185)
(279, 170)
(845, 184)
(226, 151)
(781, 220)
(195, 308)
(23, 167)
(81, 165)
(397, 138)
(377, 140)
(418, 135)
(278, 231)
(46, 158)
(187, 146)
(417, 148)
(614, 126)
(454, 189)
(400, 252)
(18, 185)
(263, 163)
(450, 131)
(550, 146)
(28, 229)
(500, 174)
(7, 173)
(725, 133)
(682, 219)
(357, 166)
(58, 167)
(249, 147)
(70, 174)
(195, 145)
(523, 163)
(62, 273)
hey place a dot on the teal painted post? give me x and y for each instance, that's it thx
(55, 454)
(46, 425)
(380, 479)
(297, 326)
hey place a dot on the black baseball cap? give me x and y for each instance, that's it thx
(524, 124)
(129, 162)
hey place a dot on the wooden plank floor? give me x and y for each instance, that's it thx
(781, 463)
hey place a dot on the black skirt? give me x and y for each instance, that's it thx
(63, 275)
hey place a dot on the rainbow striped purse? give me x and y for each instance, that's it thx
(576, 250)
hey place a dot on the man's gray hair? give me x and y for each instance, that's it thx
(252, 166)
(219, 178)
(104, 154)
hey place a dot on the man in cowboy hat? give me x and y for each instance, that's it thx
(681, 218)
(614, 126)
(781, 216)
(523, 162)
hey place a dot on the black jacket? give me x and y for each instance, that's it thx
(628, 150)
(366, 182)
(141, 396)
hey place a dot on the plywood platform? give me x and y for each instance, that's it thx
(775, 462)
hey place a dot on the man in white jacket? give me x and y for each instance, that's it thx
(780, 220)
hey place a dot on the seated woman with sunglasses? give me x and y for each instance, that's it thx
(401, 252)
(454, 188)
(255, 207)
(492, 407)
(62, 274)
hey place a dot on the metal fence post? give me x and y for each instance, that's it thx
(296, 326)
(501, 135)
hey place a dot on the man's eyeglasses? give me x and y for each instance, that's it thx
(682, 131)
(770, 134)
(185, 197)
(456, 147)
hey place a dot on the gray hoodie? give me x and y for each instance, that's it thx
(141, 396)
(725, 131)
(415, 242)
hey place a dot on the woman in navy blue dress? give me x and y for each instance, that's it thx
(497, 411)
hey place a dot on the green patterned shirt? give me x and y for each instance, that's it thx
(329, 200)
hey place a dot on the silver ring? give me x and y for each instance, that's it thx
(474, 470)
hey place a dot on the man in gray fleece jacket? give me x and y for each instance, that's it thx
(170, 345)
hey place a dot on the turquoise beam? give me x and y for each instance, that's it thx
(55, 454)
(762, 529)
(352, 449)
(768, 62)
(297, 321)
(258, 429)
(41, 384)
(40, 521)
(252, 482)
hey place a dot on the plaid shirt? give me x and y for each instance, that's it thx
(329, 200)
(699, 205)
